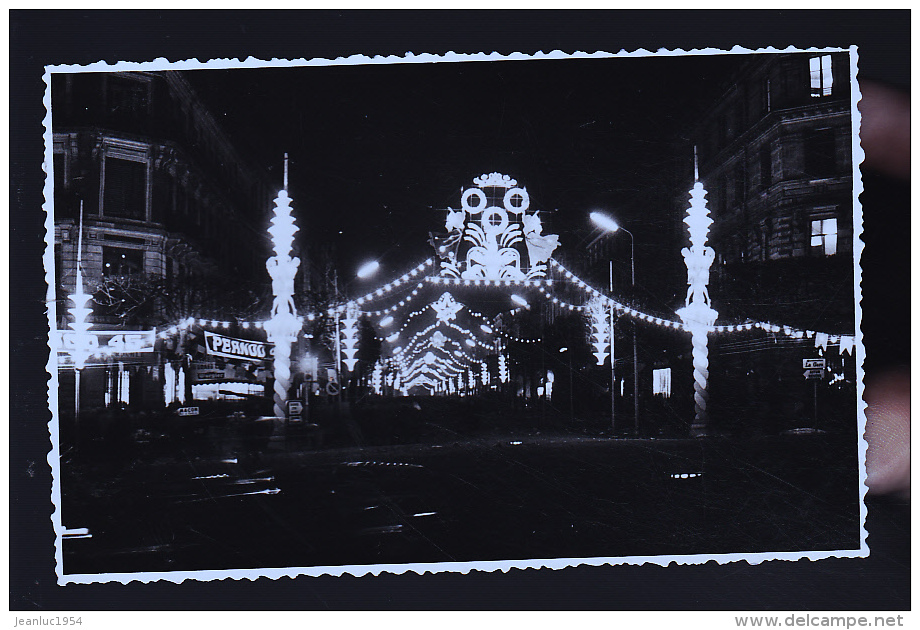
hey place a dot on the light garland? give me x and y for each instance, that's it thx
(403, 302)
(383, 290)
(485, 282)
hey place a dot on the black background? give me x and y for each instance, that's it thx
(880, 582)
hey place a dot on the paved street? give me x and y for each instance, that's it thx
(235, 501)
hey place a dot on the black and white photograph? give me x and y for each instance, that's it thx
(452, 312)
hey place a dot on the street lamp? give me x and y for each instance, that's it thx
(368, 269)
(564, 350)
(609, 226)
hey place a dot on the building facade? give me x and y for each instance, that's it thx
(173, 222)
(775, 155)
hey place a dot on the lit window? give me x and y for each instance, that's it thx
(824, 236)
(822, 76)
(661, 382)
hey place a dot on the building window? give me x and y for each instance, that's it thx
(661, 382)
(740, 184)
(766, 167)
(822, 76)
(125, 179)
(125, 189)
(122, 261)
(820, 159)
(824, 236)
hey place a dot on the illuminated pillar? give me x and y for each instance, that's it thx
(698, 315)
(81, 342)
(283, 326)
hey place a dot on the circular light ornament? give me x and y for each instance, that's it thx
(480, 204)
(513, 195)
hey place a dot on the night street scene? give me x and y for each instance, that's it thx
(495, 310)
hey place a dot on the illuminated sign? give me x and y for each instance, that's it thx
(231, 348)
(106, 342)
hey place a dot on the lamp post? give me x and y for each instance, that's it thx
(571, 387)
(609, 226)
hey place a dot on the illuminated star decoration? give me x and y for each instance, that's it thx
(446, 307)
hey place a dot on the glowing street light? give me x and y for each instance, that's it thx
(386, 321)
(368, 269)
(604, 222)
(517, 299)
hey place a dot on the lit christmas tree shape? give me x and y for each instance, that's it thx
(350, 337)
(600, 328)
(502, 368)
(506, 243)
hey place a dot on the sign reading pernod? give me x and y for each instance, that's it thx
(243, 349)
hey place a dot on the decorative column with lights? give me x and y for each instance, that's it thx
(283, 326)
(698, 315)
(80, 342)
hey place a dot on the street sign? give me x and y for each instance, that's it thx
(188, 411)
(814, 374)
(295, 407)
(332, 388)
(813, 364)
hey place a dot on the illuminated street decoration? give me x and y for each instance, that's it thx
(600, 328)
(502, 368)
(438, 339)
(79, 343)
(506, 243)
(350, 337)
(698, 315)
(283, 326)
(446, 307)
(377, 378)
(484, 370)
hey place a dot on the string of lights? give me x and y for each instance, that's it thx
(403, 302)
(485, 282)
(383, 290)
(668, 323)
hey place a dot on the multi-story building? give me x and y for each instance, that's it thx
(775, 156)
(173, 218)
